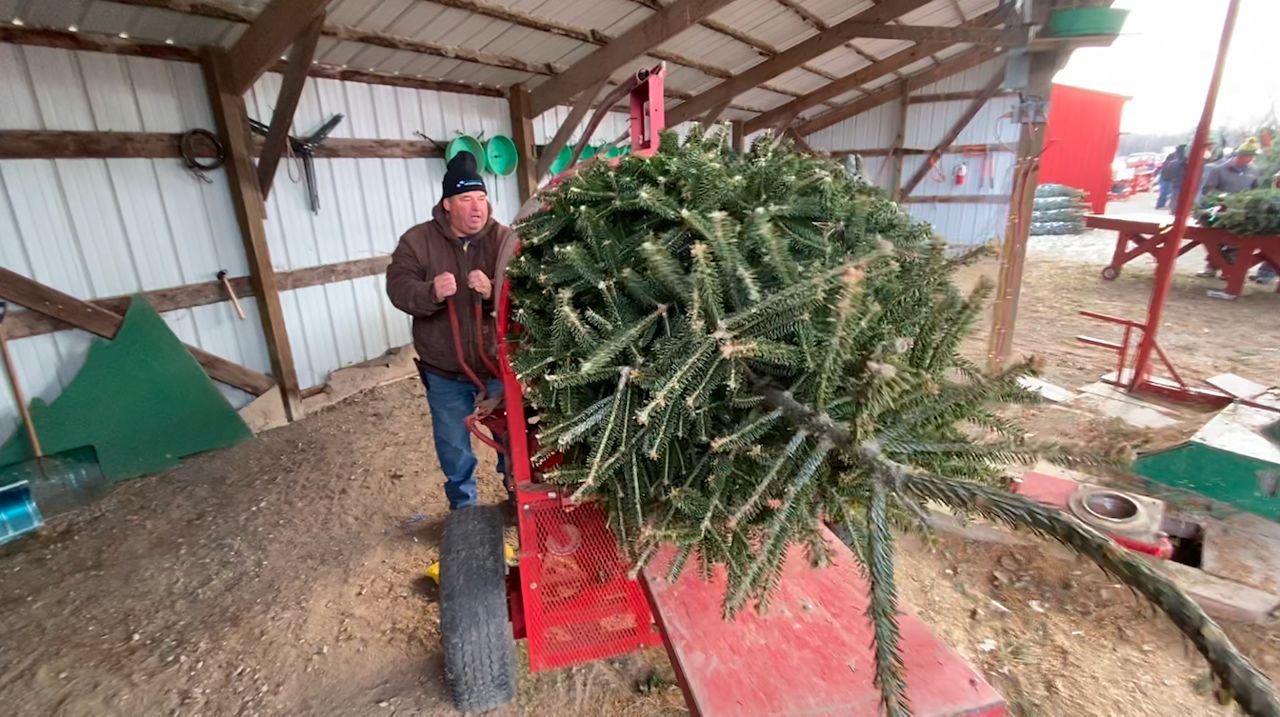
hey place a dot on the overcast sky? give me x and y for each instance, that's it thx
(1164, 58)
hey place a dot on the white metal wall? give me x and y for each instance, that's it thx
(96, 228)
(959, 223)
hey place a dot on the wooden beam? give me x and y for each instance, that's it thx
(270, 34)
(1013, 250)
(565, 131)
(92, 42)
(801, 142)
(739, 136)
(229, 112)
(953, 65)
(909, 151)
(975, 106)
(952, 96)
(899, 140)
(595, 37)
(794, 56)
(62, 144)
(522, 134)
(957, 199)
(663, 25)
(295, 76)
(856, 79)
(22, 324)
(69, 310)
(947, 35)
(714, 113)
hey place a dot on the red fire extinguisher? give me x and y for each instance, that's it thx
(961, 172)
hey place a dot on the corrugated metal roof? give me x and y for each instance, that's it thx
(752, 28)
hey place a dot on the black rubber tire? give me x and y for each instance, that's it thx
(1110, 273)
(475, 627)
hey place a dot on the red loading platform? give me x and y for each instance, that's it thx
(810, 655)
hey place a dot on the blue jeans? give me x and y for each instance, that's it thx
(1168, 192)
(451, 402)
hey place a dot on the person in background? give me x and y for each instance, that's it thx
(452, 257)
(1171, 174)
(1230, 176)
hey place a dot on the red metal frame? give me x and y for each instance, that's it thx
(1142, 378)
(1166, 245)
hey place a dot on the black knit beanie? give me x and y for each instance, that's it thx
(462, 175)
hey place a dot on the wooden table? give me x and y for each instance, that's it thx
(810, 654)
(1139, 234)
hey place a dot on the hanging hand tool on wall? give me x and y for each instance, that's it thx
(304, 148)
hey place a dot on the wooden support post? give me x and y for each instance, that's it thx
(739, 136)
(522, 135)
(714, 113)
(576, 115)
(295, 76)
(899, 143)
(233, 126)
(992, 87)
(1013, 251)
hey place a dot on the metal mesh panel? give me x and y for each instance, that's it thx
(579, 603)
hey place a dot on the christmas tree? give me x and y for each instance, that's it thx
(731, 349)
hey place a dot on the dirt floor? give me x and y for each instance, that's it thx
(284, 576)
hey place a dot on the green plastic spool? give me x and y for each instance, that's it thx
(1083, 21)
(562, 161)
(500, 155)
(466, 143)
(617, 151)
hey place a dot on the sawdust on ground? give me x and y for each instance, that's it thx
(284, 576)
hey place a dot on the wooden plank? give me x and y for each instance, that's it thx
(739, 136)
(952, 96)
(663, 25)
(76, 313)
(21, 324)
(522, 134)
(975, 106)
(911, 151)
(957, 199)
(565, 131)
(933, 34)
(855, 80)
(950, 66)
(295, 76)
(1013, 250)
(810, 654)
(794, 56)
(94, 42)
(594, 37)
(271, 32)
(229, 111)
(899, 158)
(58, 144)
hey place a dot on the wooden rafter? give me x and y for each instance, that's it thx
(989, 91)
(94, 42)
(663, 25)
(271, 33)
(229, 112)
(861, 76)
(565, 131)
(69, 311)
(295, 76)
(522, 135)
(949, 67)
(763, 48)
(804, 51)
(594, 37)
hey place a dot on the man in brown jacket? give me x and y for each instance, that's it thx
(453, 258)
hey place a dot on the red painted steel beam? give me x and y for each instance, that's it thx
(1169, 252)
